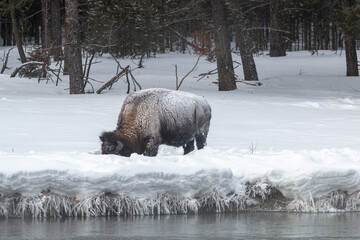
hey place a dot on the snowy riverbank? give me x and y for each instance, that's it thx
(299, 134)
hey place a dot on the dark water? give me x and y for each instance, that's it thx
(202, 226)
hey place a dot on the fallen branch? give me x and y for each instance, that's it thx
(212, 72)
(112, 80)
(25, 65)
(250, 82)
(134, 80)
(87, 71)
(6, 61)
(185, 39)
(129, 72)
(182, 80)
(140, 64)
(58, 74)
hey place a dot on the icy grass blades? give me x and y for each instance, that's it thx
(122, 205)
(256, 198)
(335, 201)
(48, 204)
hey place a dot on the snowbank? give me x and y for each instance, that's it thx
(289, 145)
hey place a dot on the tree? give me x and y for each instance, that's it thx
(56, 50)
(277, 46)
(52, 27)
(222, 47)
(244, 41)
(16, 33)
(349, 24)
(45, 28)
(6, 30)
(73, 46)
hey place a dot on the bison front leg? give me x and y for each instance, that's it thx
(188, 147)
(152, 147)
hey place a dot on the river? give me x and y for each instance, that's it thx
(245, 225)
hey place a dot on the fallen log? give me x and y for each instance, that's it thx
(112, 80)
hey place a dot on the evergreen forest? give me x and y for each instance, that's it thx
(67, 30)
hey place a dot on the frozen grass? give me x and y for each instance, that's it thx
(48, 204)
(353, 201)
(336, 200)
(299, 205)
(262, 190)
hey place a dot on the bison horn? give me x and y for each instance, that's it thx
(119, 146)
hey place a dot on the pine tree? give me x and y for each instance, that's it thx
(349, 22)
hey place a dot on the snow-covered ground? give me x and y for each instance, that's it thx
(298, 133)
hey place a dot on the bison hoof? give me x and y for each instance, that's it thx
(151, 152)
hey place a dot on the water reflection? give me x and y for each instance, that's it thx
(247, 225)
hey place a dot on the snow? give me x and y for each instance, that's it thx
(299, 132)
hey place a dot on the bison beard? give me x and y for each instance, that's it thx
(152, 117)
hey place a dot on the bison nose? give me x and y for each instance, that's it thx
(110, 148)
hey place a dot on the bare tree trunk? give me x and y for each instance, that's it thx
(73, 47)
(244, 42)
(36, 32)
(6, 31)
(46, 31)
(277, 46)
(66, 61)
(161, 38)
(17, 35)
(43, 17)
(350, 47)
(334, 45)
(351, 56)
(222, 47)
(52, 27)
(56, 49)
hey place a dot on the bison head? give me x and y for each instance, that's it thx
(113, 144)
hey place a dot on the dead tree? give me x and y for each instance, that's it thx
(244, 42)
(350, 45)
(222, 47)
(73, 46)
(112, 80)
(16, 34)
(5, 59)
(87, 68)
(127, 72)
(178, 83)
(277, 45)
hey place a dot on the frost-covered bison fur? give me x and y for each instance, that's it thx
(157, 116)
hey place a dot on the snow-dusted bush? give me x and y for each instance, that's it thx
(299, 205)
(353, 201)
(334, 201)
(262, 190)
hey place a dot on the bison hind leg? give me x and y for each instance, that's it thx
(200, 141)
(189, 146)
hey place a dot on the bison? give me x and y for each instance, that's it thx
(157, 116)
